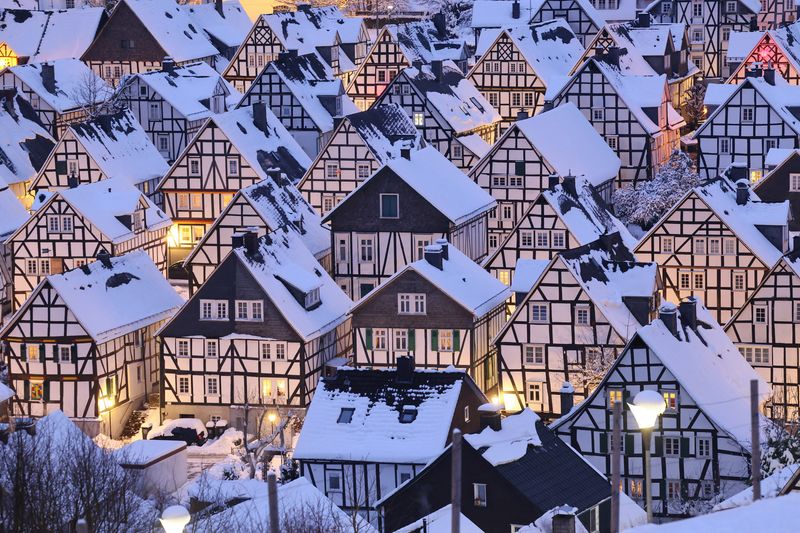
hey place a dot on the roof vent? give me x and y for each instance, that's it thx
(105, 258)
(567, 394)
(49, 77)
(742, 192)
(552, 181)
(489, 414)
(569, 185)
(250, 241)
(445, 251)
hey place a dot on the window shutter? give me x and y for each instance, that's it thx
(684, 446)
(435, 340)
(23, 352)
(74, 354)
(573, 438)
(55, 353)
(42, 352)
(368, 338)
(603, 443)
(412, 340)
(626, 395)
(27, 392)
(659, 447)
(46, 391)
(61, 168)
(629, 445)
(662, 490)
(519, 168)
(456, 340)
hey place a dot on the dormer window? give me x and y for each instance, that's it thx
(346, 415)
(312, 298)
(408, 414)
(138, 221)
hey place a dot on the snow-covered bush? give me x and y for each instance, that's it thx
(781, 449)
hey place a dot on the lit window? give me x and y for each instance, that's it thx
(614, 396)
(379, 339)
(755, 176)
(671, 399)
(419, 119)
(37, 390)
(445, 340)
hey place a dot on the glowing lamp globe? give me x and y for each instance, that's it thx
(647, 406)
(174, 519)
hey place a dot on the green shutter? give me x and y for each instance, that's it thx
(23, 352)
(46, 391)
(412, 340)
(435, 340)
(626, 395)
(456, 340)
(629, 445)
(368, 338)
(662, 489)
(603, 443)
(659, 447)
(42, 352)
(519, 168)
(27, 392)
(61, 168)
(55, 353)
(684, 446)
(74, 354)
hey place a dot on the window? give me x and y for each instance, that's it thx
(516, 99)
(707, 491)
(667, 245)
(731, 7)
(747, 114)
(197, 201)
(366, 249)
(672, 446)
(213, 310)
(458, 151)
(714, 246)
(493, 99)
(508, 212)
(379, 339)
(401, 340)
(411, 303)
(598, 114)
(345, 415)
(233, 166)
(796, 311)
(266, 350)
(697, 36)
(759, 314)
(183, 385)
(65, 354)
(534, 391)
(333, 481)
(280, 351)
(699, 246)
(670, 399)
(756, 355)
(726, 33)
(703, 447)
(250, 310)
(539, 313)
(699, 280)
(724, 146)
(212, 349)
(312, 298)
(526, 238)
(331, 170)
(32, 267)
(534, 354)
(445, 340)
(697, 8)
(212, 386)
(408, 414)
(37, 391)
(183, 348)
(527, 97)
(739, 281)
(390, 206)
(692, 280)
(194, 167)
(582, 315)
(755, 176)
(479, 494)
(769, 144)
(614, 396)
(183, 201)
(635, 487)
(362, 171)
(673, 489)
(794, 182)
(466, 413)
(558, 239)
(612, 141)
(542, 239)
(729, 246)
(419, 119)
(421, 244)
(154, 112)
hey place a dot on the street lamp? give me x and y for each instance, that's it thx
(647, 406)
(272, 417)
(174, 518)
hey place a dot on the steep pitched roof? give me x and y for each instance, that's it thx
(306, 29)
(228, 28)
(24, 143)
(14, 213)
(498, 14)
(421, 41)
(50, 35)
(386, 129)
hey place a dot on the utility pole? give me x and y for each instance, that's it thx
(755, 437)
(616, 442)
(272, 496)
(455, 483)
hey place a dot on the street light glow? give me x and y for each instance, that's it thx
(647, 406)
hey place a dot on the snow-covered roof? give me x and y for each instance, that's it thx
(49, 35)
(189, 88)
(440, 521)
(625, 10)
(307, 29)
(776, 156)
(718, 93)
(475, 144)
(454, 97)
(145, 452)
(710, 368)
(741, 43)
(114, 298)
(511, 442)
(71, 76)
(421, 41)
(498, 14)
(375, 432)
(282, 260)
(177, 33)
(120, 147)
(229, 27)
(787, 38)
(14, 213)
(24, 143)
(273, 148)
(6, 392)
(386, 129)
(526, 273)
(102, 202)
(556, 132)
(770, 488)
(720, 196)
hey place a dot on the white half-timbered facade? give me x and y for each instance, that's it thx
(519, 166)
(171, 104)
(572, 323)
(717, 243)
(259, 332)
(303, 93)
(359, 145)
(451, 113)
(518, 65)
(14, 216)
(57, 91)
(443, 310)
(341, 41)
(633, 114)
(393, 215)
(71, 227)
(776, 14)
(66, 350)
(783, 183)
(700, 446)
(231, 151)
(581, 16)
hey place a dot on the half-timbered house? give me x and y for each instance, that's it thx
(443, 310)
(562, 217)
(140, 34)
(71, 227)
(14, 216)
(765, 329)
(398, 46)
(775, 14)
(388, 220)
(783, 183)
(496, 15)
(303, 93)
(518, 65)
(83, 342)
(776, 49)
(369, 431)
(717, 243)
(107, 146)
(224, 22)
(700, 446)
(747, 121)
(341, 41)
(633, 113)
(451, 113)
(359, 145)
(59, 91)
(572, 323)
(263, 207)
(259, 332)
(24, 142)
(520, 165)
(231, 151)
(171, 104)
(710, 24)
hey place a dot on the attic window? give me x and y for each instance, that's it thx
(408, 414)
(312, 298)
(346, 415)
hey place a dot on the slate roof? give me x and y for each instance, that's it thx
(386, 129)
(421, 41)
(307, 29)
(24, 142)
(229, 28)
(49, 35)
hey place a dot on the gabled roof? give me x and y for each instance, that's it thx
(754, 6)
(14, 213)
(498, 14)
(189, 88)
(438, 181)
(526, 273)
(386, 129)
(556, 133)
(229, 28)
(421, 41)
(375, 433)
(116, 298)
(453, 97)
(741, 43)
(170, 24)
(307, 29)
(440, 521)
(50, 35)
(24, 143)
(282, 258)
(71, 77)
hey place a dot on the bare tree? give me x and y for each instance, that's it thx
(94, 96)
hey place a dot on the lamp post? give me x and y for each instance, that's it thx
(647, 406)
(174, 519)
(272, 417)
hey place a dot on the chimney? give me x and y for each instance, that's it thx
(444, 245)
(769, 75)
(237, 239)
(567, 394)
(436, 69)
(796, 245)
(405, 370)
(417, 64)
(275, 175)
(522, 115)
(405, 153)
(305, 8)
(440, 24)
(552, 181)
(250, 240)
(754, 71)
(168, 65)
(489, 415)
(563, 522)
(260, 116)
(218, 7)
(433, 255)
(742, 192)
(753, 23)
(737, 171)
(49, 77)
(668, 314)
(688, 311)
(569, 185)
(105, 258)
(515, 13)
(643, 19)
(72, 181)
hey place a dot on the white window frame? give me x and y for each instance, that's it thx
(411, 303)
(672, 446)
(183, 348)
(217, 310)
(667, 245)
(253, 310)
(212, 349)
(534, 354)
(757, 308)
(558, 239)
(542, 316)
(748, 114)
(580, 309)
(737, 277)
(794, 182)
(479, 495)
(184, 385)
